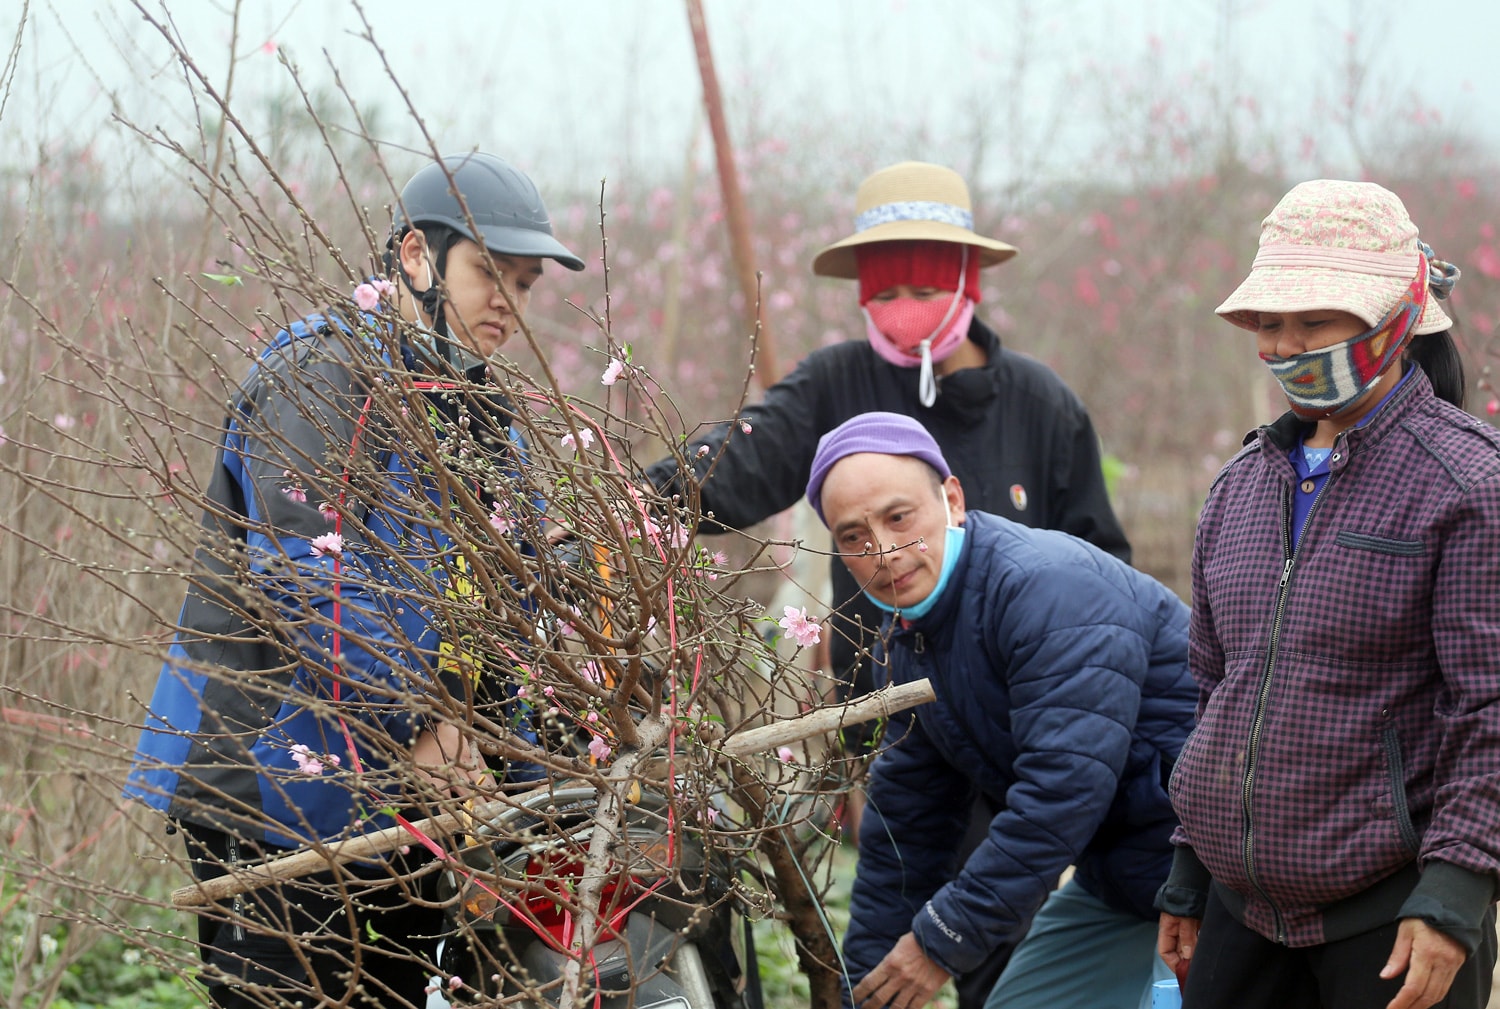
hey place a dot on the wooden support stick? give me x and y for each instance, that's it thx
(240, 879)
(741, 247)
(879, 704)
(309, 860)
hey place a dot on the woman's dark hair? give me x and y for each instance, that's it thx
(1438, 356)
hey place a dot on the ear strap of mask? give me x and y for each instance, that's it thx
(440, 239)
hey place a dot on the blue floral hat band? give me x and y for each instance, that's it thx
(915, 210)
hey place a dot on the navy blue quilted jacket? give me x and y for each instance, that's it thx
(1063, 695)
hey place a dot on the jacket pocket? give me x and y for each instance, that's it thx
(1381, 544)
(1396, 768)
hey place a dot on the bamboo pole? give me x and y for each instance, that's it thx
(880, 704)
(241, 879)
(738, 218)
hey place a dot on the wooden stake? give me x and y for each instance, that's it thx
(240, 879)
(738, 218)
(880, 704)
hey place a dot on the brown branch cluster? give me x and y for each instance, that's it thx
(601, 677)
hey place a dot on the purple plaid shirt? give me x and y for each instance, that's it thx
(1349, 715)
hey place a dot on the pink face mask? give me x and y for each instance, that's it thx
(910, 333)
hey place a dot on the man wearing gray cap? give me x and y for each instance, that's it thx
(1063, 697)
(318, 516)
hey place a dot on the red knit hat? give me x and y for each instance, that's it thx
(883, 265)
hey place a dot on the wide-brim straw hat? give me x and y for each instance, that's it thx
(910, 201)
(1334, 245)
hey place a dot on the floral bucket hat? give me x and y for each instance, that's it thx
(910, 201)
(1343, 246)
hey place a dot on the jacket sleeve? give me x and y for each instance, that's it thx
(1462, 844)
(1075, 691)
(1185, 893)
(1205, 653)
(288, 451)
(908, 841)
(1080, 494)
(744, 476)
(1206, 662)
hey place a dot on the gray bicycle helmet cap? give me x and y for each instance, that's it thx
(501, 199)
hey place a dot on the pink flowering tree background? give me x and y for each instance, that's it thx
(138, 279)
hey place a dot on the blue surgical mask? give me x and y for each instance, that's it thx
(953, 542)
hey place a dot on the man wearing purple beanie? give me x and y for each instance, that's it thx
(1063, 697)
(1021, 440)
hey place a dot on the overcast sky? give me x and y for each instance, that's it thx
(593, 88)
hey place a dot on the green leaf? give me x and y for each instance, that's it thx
(227, 279)
(1113, 468)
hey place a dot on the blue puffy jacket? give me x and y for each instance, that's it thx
(1063, 696)
(244, 693)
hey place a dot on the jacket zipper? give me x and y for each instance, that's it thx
(1258, 722)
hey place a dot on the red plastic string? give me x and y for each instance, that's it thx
(355, 763)
(429, 843)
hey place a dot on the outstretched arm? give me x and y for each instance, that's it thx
(750, 471)
(908, 836)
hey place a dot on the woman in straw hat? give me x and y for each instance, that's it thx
(1340, 798)
(1017, 437)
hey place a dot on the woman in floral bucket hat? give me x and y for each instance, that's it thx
(1340, 798)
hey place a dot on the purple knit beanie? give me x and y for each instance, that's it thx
(877, 432)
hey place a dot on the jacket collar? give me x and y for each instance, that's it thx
(966, 395)
(1281, 436)
(936, 623)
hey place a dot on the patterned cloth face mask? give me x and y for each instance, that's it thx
(1325, 382)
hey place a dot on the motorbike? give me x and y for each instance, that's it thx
(670, 936)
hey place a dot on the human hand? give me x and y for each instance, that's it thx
(905, 979)
(1430, 959)
(447, 760)
(1176, 938)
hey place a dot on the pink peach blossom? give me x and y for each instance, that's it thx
(803, 630)
(329, 544)
(585, 436)
(366, 298)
